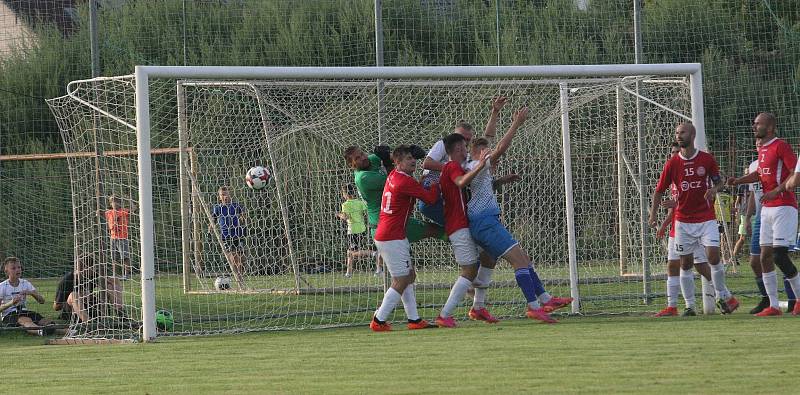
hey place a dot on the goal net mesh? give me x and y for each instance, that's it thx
(293, 251)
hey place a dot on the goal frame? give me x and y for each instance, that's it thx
(143, 74)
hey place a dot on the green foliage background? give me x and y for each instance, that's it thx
(750, 50)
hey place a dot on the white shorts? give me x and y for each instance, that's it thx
(699, 252)
(778, 226)
(396, 255)
(688, 236)
(464, 247)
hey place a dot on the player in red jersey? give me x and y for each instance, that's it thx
(452, 182)
(397, 204)
(677, 277)
(776, 166)
(695, 220)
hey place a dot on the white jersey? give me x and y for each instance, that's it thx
(482, 201)
(7, 292)
(756, 188)
(438, 154)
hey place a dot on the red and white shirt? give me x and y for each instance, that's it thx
(455, 201)
(776, 161)
(691, 178)
(399, 194)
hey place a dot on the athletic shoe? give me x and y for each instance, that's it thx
(769, 311)
(556, 303)
(669, 311)
(763, 304)
(378, 326)
(348, 275)
(541, 315)
(481, 314)
(421, 324)
(689, 312)
(729, 306)
(791, 306)
(445, 322)
(796, 309)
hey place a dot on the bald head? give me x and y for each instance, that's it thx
(764, 125)
(684, 135)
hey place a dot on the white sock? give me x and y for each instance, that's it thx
(390, 299)
(795, 283)
(484, 277)
(709, 295)
(687, 287)
(479, 300)
(409, 299)
(534, 304)
(456, 294)
(544, 298)
(673, 287)
(718, 278)
(771, 284)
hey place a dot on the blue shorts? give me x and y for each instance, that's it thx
(433, 212)
(755, 237)
(491, 235)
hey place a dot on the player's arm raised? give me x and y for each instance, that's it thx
(518, 119)
(463, 180)
(374, 181)
(491, 125)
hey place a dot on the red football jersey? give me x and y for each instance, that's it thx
(455, 203)
(775, 161)
(399, 195)
(691, 177)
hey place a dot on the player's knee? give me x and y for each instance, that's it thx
(783, 262)
(469, 271)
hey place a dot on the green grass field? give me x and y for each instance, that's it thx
(718, 354)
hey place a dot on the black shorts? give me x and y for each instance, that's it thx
(357, 241)
(11, 318)
(232, 244)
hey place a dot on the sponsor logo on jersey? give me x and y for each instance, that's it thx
(701, 171)
(687, 185)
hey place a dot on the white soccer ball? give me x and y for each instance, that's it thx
(257, 178)
(222, 283)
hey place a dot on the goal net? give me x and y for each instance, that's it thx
(588, 158)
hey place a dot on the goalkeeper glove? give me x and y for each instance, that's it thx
(383, 152)
(417, 152)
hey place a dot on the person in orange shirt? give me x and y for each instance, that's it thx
(117, 219)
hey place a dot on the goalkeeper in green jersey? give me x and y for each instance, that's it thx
(370, 176)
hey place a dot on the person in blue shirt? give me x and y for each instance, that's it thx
(229, 216)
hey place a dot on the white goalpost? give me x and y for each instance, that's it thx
(589, 157)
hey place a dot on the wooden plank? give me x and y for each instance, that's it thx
(85, 154)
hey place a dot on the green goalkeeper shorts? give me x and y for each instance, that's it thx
(415, 230)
